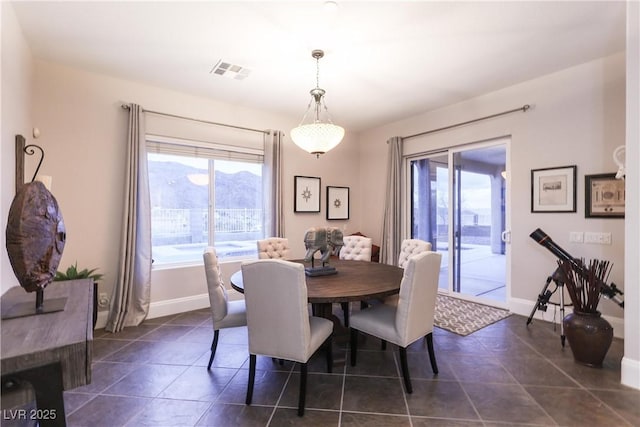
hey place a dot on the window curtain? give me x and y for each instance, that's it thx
(391, 226)
(131, 295)
(272, 181)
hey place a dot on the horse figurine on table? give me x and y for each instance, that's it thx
(327, 240)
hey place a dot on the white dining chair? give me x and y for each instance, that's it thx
(278, 320)
(224, 313)
(411, 319)
(356, 248)
(408, 248)
(274, 248)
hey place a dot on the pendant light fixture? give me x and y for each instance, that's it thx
(318, 136)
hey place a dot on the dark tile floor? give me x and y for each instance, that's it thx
(506, 374)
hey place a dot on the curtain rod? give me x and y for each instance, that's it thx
(524, 108)
(126, 107)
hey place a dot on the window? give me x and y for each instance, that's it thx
(203, 196)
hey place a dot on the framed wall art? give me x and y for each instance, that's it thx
(553, 189)
(337, 202)
(306, 191)
(604, 196)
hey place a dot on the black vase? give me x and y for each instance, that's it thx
(589, 336)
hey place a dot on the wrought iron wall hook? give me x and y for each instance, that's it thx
(30, 150)
(21, 149)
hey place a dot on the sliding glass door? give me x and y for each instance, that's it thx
(458, 203)
(429, 201)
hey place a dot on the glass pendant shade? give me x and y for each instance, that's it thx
(318, 136)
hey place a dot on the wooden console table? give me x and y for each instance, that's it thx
(50, 351)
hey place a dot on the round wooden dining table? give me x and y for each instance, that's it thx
(354, 281)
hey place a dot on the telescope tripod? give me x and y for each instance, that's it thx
(545, 295)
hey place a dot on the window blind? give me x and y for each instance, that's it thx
(209, 150)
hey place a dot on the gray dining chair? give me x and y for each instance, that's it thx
(224, 313)
(278, 320)
(411, 319)
(274, 248)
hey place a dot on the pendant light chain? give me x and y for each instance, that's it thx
(318, 100)
(317, 72)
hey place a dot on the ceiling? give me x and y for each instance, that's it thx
(384, 61)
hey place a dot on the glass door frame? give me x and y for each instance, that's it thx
(406, 224)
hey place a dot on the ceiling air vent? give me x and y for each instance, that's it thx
(229, 70)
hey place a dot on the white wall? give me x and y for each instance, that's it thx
(15, 91)
(631, 359)
(84, 132)
(576, 118)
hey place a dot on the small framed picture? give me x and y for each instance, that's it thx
(337, 202)
(604, 196)
(553, 189)
(306, 190)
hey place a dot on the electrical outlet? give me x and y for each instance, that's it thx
(576, 236)
(590, 237)
(103, 300)
(597, 238)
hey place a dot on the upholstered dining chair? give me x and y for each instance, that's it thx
(411, 319)
(278, 319)
(224, 313)
(408, 248)
(274, 248)
(356, 248)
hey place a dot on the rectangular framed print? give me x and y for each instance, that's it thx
(604, 196)
(306, 190)
(553, 189)
(337, 202)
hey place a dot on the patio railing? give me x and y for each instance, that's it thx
(189, 222)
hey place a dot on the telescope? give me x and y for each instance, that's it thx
(608, 291)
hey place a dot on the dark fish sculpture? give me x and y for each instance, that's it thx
(35, 236)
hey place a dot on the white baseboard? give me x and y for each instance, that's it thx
(165, 308)
(180, 305)
(101, 322)
(630, 373)
(177, 305)
(524, 307)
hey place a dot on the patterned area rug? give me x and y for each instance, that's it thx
(464, 317)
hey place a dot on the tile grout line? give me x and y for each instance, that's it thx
(402, 388)
(344, 381)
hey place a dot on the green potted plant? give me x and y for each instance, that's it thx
(72, 273)
(589, 334)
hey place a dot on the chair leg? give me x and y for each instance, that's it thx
(303, 388)
(329, 349)
(432, 354)
(405, 369)
(345, 310)
(354, 346)
(214, 345)
(252, 377)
